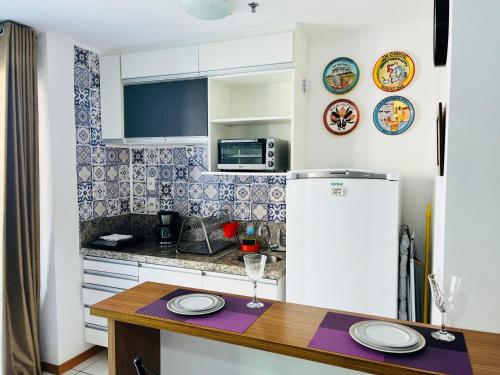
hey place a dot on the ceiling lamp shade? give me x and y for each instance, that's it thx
(208, 9)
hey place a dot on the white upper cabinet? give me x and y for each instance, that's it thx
(246, 53)
(165, 62)
(111, 97)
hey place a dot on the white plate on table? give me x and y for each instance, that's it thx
(195, 304)
(387, 337)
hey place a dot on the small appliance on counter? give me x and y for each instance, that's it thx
(262, 154)
(249, 243)
(167, 228)
(115, 241)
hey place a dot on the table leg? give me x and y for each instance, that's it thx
(128, 341)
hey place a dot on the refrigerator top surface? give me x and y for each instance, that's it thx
(342, 173)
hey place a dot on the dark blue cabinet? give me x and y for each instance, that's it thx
(166, 109)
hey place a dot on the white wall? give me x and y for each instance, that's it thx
(471, 247)
(61, 314)
(412, 153)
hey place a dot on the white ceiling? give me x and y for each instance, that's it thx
(118, 24)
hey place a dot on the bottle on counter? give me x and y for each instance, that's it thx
(249, 241)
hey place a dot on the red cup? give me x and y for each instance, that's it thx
(230, 229)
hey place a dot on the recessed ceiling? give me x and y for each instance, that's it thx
(118, 24)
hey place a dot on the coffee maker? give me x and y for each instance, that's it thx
(167, 227)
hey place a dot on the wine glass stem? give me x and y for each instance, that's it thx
(443, 319)
(255, 291)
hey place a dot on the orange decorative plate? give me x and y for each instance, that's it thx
(341, 117)
(393, 71)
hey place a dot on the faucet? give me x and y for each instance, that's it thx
(267, 235)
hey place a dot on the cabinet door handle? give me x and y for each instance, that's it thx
(170, 269)
(101, 288)
(109, 260)
(110, 274)
(95, 326)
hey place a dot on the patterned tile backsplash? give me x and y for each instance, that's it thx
(114, 181)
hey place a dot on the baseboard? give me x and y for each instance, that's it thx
(69, 364)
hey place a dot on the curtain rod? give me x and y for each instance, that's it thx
(2, 29)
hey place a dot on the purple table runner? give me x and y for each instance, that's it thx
(234, 316)
(449, 358)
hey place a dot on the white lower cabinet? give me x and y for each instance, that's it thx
(170, 275)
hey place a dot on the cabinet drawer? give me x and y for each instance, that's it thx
(109, 279)
(95, 293)
(122, 267)
(170, 275)
(96, 335)
(92, 319)
(236, 284)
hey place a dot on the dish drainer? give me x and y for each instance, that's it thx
(204, 235)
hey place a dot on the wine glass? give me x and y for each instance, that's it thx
(254, 267)
(445, 294)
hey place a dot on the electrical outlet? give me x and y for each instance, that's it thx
(150, 183)
(190, 149)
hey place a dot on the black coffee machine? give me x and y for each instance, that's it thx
(167, 227)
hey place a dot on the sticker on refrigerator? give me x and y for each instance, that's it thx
(337, 189)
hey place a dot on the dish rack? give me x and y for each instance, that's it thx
(204, 235)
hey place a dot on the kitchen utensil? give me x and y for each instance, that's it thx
(254, 267)
(445, 294)
(230, 229)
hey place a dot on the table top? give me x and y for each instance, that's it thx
(285, 328)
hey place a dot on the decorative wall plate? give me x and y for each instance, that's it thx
(341, 117)
(393, 115)
(341, 75)
(393, 71)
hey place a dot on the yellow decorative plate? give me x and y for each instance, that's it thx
(393, 71)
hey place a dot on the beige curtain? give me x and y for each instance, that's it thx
(21, 255)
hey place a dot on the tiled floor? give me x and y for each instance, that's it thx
(97, 365)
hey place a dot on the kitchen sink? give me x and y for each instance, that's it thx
(270, 258)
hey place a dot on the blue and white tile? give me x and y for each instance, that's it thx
(211, 191)
(82, 76)
(95, 136)
(86, 210)
(139, 172)
(84, 190)
(139, 189)
(259, 212)
(228, 207)
(195, 207)
(82, 135)
(112, 156)
(209, 207)
(82, 116)
(195, 191)
(137, 156)
(113, 190)
(124, 156)
(166, 190)
(152, 190)
(227, 179)
(82, 96)
(84, 173)
(195, 173)
(124, 189)
(181, 206)
(166, 173)
(277, 212)
(244, 179)
(123, 172)
(226, 192)
(180, 173)
(277, 193)
(124, 206)
(259, 193)
(83, 155)
(95, 80)
(93, 60)
(81, 56)
(95, 117)
(242, 211)
(242, 192)
(180, 156)
(139, 205)
(276, 180)
(180, 191)
(113, 207)
(151, 205)
(112, 173)
(100, 208)
(166, 156)
(99, 191)
(99, 155)
(152, 171)
(166, 204)
(210, 178)
(151, 156)
(260, 179)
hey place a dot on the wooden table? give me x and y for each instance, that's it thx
(285, 328)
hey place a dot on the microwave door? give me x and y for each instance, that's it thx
(237, 155)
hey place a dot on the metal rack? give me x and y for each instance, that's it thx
(204, 235)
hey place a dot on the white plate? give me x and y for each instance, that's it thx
(420, 344)
(180, 311)
(195, 302)
(387, 334)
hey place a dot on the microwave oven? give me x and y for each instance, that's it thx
(262, 154)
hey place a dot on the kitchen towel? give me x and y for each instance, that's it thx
(446, 357)
(235, 315)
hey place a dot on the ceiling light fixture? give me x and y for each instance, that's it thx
(208, 9)
(253, 6)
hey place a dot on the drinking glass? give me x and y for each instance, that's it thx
(254, 267)
(445, 294)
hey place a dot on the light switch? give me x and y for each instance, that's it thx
(150, 183)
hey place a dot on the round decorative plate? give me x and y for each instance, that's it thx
(341, 75)
(393, 71)
(341, 116)
(393, 115)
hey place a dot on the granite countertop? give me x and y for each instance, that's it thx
(150, 252)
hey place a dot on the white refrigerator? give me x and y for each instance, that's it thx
(342, 235)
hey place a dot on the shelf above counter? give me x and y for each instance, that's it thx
(265, 120)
